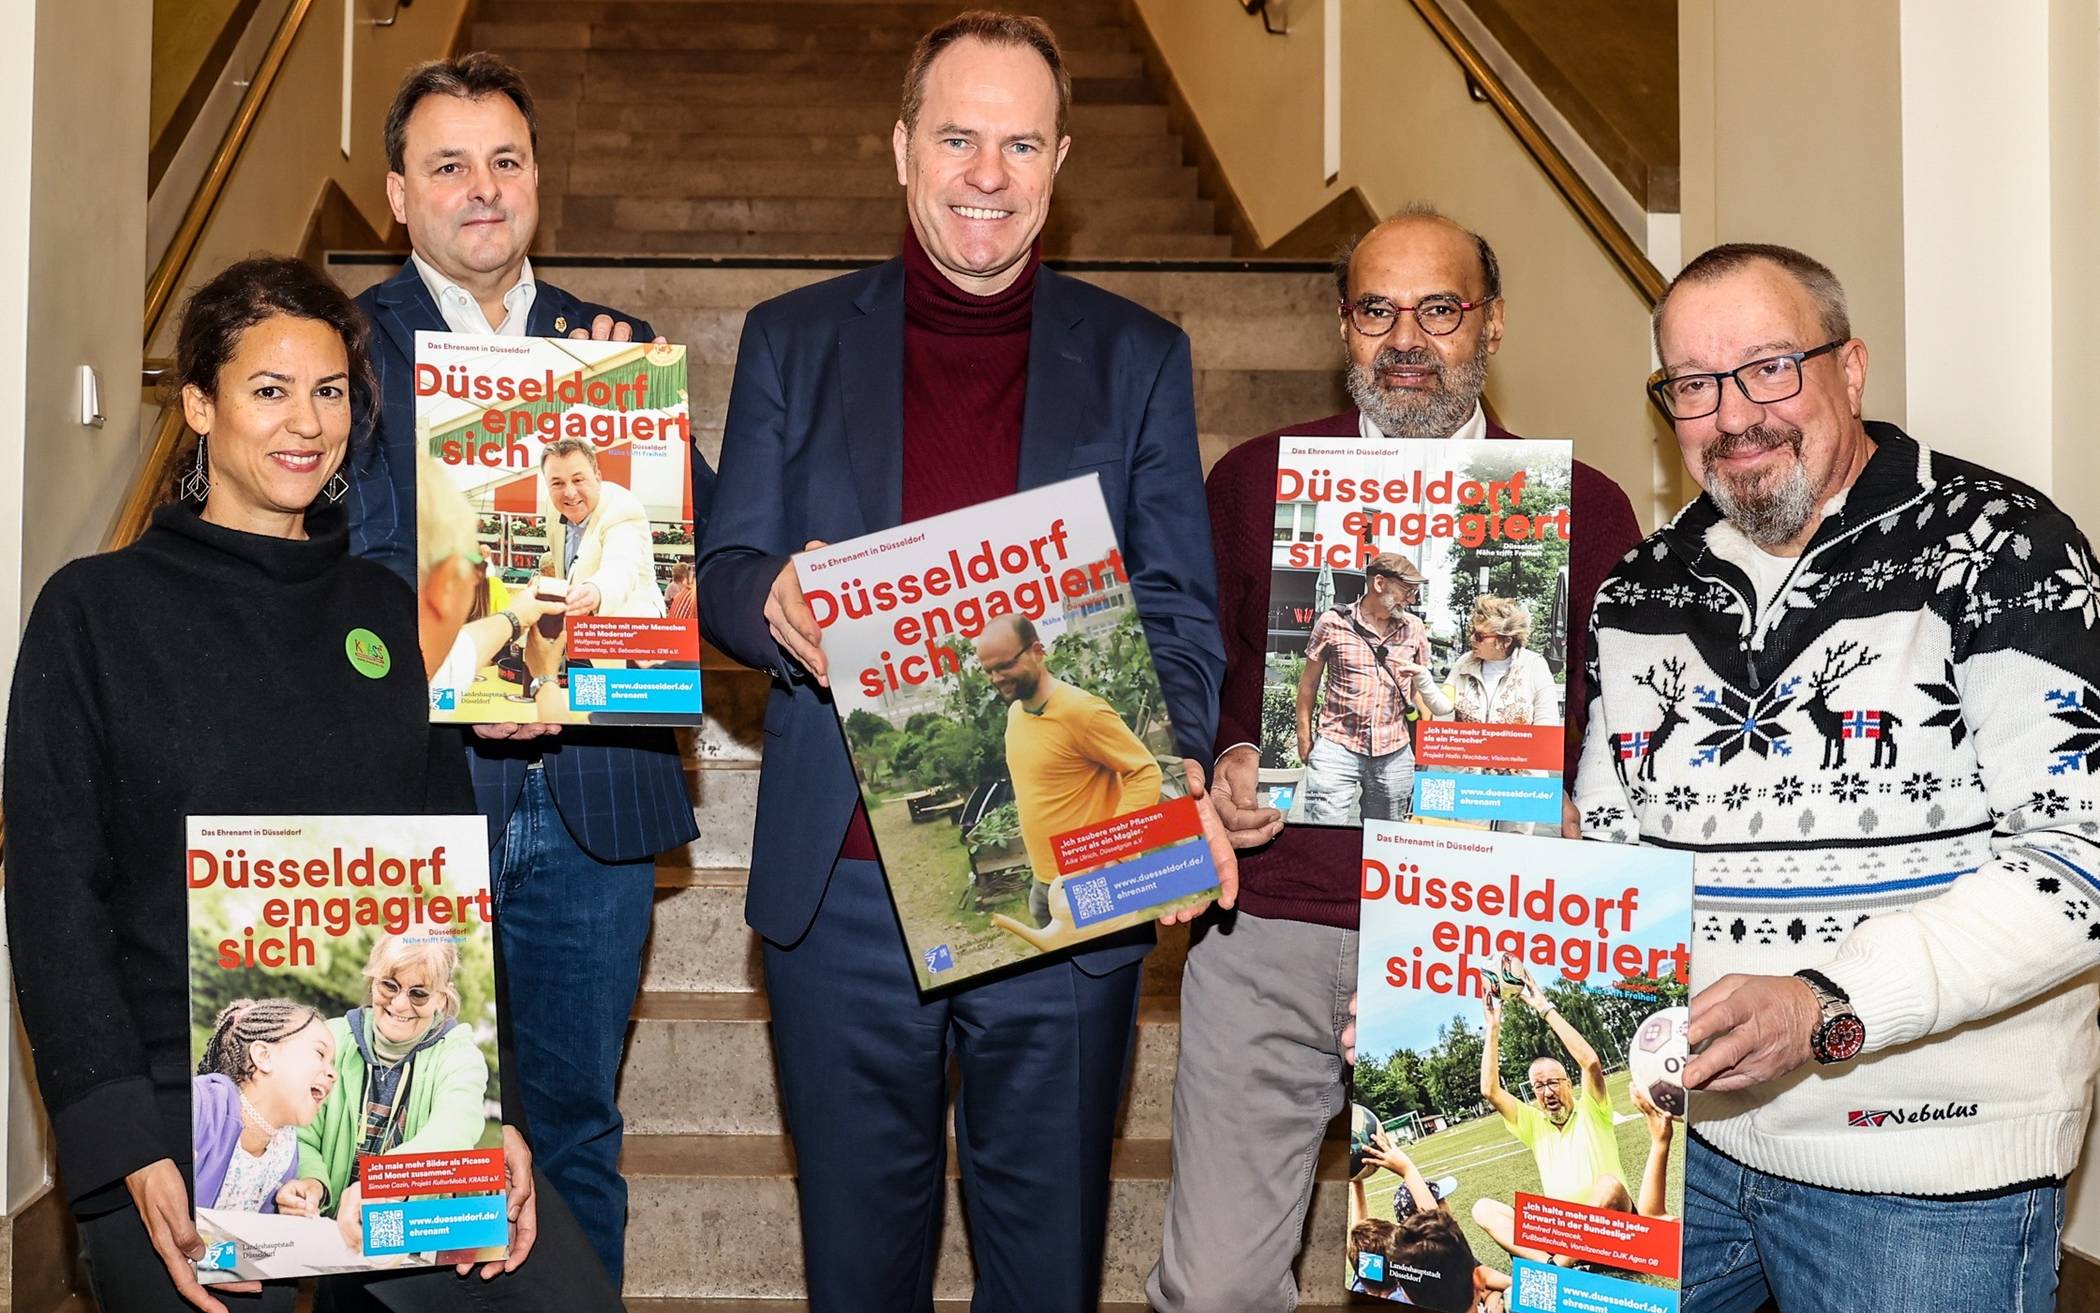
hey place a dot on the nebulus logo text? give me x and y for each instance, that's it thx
(1909, 1116)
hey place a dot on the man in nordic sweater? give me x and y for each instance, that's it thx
(1866, 676)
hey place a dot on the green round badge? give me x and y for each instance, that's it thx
(368, 653)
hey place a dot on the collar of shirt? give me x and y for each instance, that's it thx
(1475, 427)
(463, 314)
(1394, 624)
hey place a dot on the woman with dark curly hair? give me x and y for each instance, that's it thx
(236, 659)
(266, 1071)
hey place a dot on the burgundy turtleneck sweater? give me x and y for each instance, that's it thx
(965, 378)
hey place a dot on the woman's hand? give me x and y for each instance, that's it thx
(520, 1206)
(163, 1202)
(301, 1198)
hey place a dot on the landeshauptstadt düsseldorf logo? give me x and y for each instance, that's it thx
(1909, 1116)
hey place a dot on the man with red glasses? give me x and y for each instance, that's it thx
(1266, 991)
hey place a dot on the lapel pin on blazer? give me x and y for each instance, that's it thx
(561, 323)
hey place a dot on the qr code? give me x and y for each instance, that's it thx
(387, 1228)
(1439, 797)
(586, 690)
(1090, 899)
(1537, 1288)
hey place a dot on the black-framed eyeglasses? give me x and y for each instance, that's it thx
(1763, 381)
(1438, 316)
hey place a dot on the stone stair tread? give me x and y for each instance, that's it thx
(641, 151)
(673, 875)
(876, 244)
(644, 56)
(873, 95)
(823, 29)
(772, 1156)
(1088, 120)
(873, 176)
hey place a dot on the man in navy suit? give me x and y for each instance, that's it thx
(576, 816)
(961, 371)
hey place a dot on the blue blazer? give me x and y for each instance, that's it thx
(813, 448)
(621, 792)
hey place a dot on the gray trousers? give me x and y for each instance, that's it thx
(1263, 1004)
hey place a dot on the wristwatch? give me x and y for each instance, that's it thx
(1839, 1034)
(538, 682)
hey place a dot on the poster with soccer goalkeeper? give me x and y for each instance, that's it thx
(1517, 1139)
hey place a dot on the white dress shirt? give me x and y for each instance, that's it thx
(463, 313)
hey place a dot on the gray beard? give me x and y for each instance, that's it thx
(1437, 413)
(1770, 511)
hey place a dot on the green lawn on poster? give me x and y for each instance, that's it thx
(1489, 1163)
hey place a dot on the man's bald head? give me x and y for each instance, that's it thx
(1423, 227)
(1010, 651)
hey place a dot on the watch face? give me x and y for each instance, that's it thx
(1841, 1039)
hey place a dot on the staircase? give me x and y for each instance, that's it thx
(701, 127)
(700, 156)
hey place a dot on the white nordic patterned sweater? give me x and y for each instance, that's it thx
(1889, 776)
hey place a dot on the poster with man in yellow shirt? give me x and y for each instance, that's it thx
(1017, 765)
(1073, 761)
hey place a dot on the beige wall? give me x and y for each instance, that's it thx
(1576, 353)
(1258, 98)
(184, 32)
(73, 270)
(1800, 142)
(22, 1157)
(71, 267)
(296, 149)
(2074, 144)
(1929, 151)
(87, 236)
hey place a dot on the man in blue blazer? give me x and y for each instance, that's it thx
(958, 372)
(576, 816)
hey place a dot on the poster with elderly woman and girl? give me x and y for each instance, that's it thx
(1417, 656)
(344, 1109)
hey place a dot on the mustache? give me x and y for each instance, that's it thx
(1414, 357)
(1758, 437)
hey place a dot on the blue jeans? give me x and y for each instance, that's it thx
(1344, 787)
(573, 929)
(1749, 1237)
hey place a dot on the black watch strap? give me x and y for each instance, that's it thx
(1824, 983)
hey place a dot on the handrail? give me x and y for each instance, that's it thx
(1262, 7)
(167, 276)
(1632, 261)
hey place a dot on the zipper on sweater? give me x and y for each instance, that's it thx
(1778, 612)
(1744, 626)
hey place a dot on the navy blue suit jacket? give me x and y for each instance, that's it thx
(814, 449)
(621, 792)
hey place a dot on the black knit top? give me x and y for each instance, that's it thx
(200, 670)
